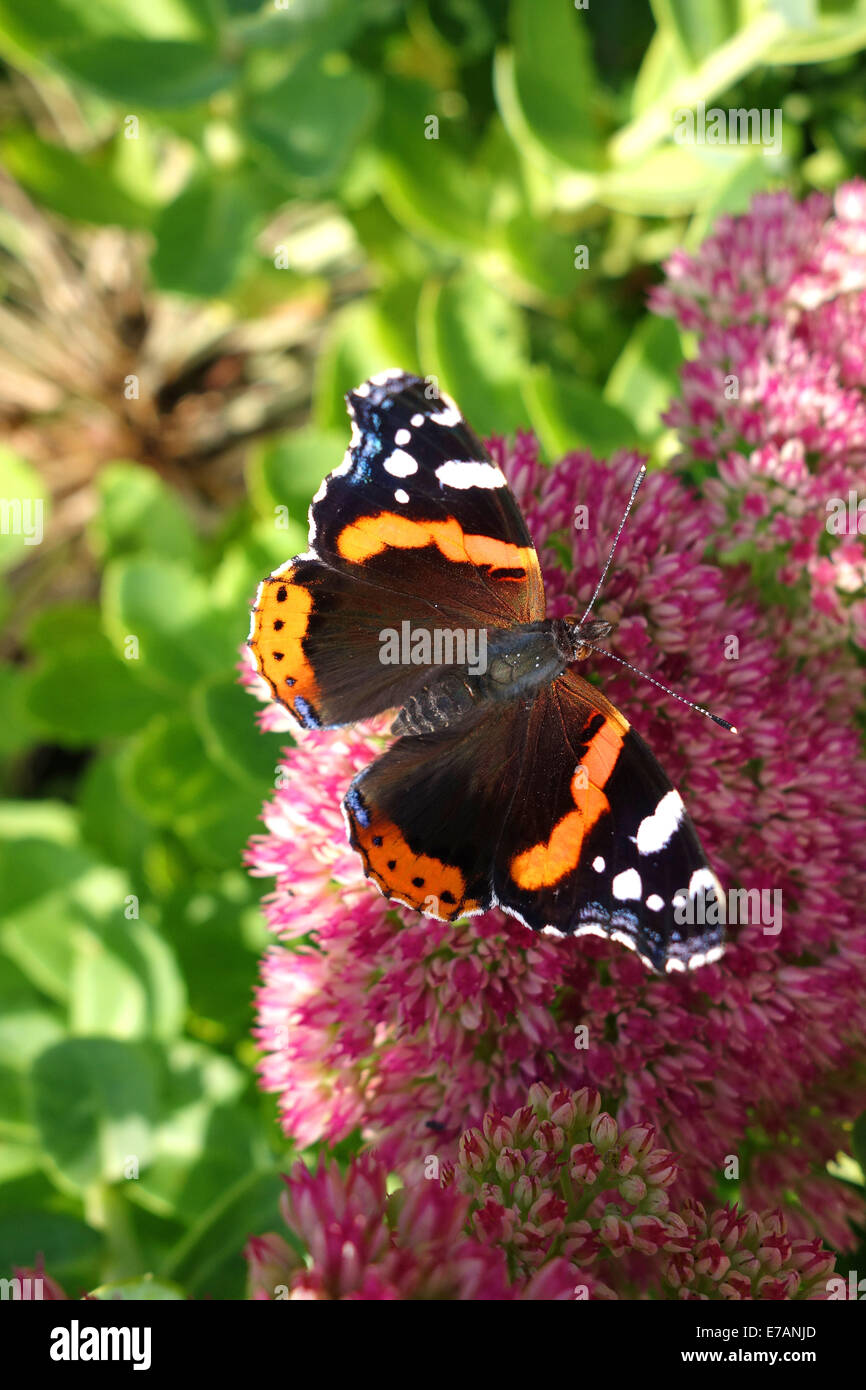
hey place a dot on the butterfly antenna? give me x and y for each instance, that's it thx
(666, 688)
(641, 474)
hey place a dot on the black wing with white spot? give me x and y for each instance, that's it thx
(415, 533)
(598, 842)
(418, 508)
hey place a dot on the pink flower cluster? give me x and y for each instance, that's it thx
(551, 1202)
(774, 398)
(407, 1031)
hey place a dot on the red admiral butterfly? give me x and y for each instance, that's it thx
(514, 782)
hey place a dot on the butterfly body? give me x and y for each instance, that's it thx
(513, 782)
(517, 662)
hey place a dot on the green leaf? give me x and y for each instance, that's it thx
(64, 628)
(672, 179)
(569, 414)
(38, 820)
(285, 471)
(699, 25)
(823, 38)
(168, 773)
(147, 72)
(720, 70)
(17, 729)
(473, 337)
(330, 23)
(17, 1160)
(310, 121)
(37, 910)
(109, 823)
(171, 779)
(167, 608)
(125, 982)
(362, 340)
(646, 374)
(95, 1104)
(146, 1289)
(206, 1140)
(139, 512)
(543, 257)
(427, 182)
(207, 1261)
(88, 695)
(241, 568)
(23, 509)
(76, 186)
(545, 88)
(25, 1031)
(204, 236)
(664, 64)
(61, 1239)
(218, 931)
(224, 716)
(62, 20)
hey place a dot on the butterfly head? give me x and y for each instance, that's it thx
(581, 635)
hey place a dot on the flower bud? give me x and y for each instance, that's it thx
(603, 1132)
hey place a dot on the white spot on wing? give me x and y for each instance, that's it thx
(401, 495)
(626, 885)
(448, 415)
(655, 831)
(461, 473)
(552, 931)
(655, 903)
(702, 879)
(598, 864)
(400, 464)
(417, 420)
(402, 436)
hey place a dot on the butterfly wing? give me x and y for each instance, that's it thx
(554, 810)
(424, 815)
(597, 840)
(416, 526)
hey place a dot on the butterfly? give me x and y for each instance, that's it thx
(512, 782)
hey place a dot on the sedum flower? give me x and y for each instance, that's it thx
(375, 1021)
(774, 398)
(35, 1285)
(372, 1018)
(551, 1226)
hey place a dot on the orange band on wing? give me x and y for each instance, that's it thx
(426, 884)
(603, 751)
(370, 535)
(280, 620)
(544, 864)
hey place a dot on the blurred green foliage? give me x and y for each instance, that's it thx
(501, 182)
